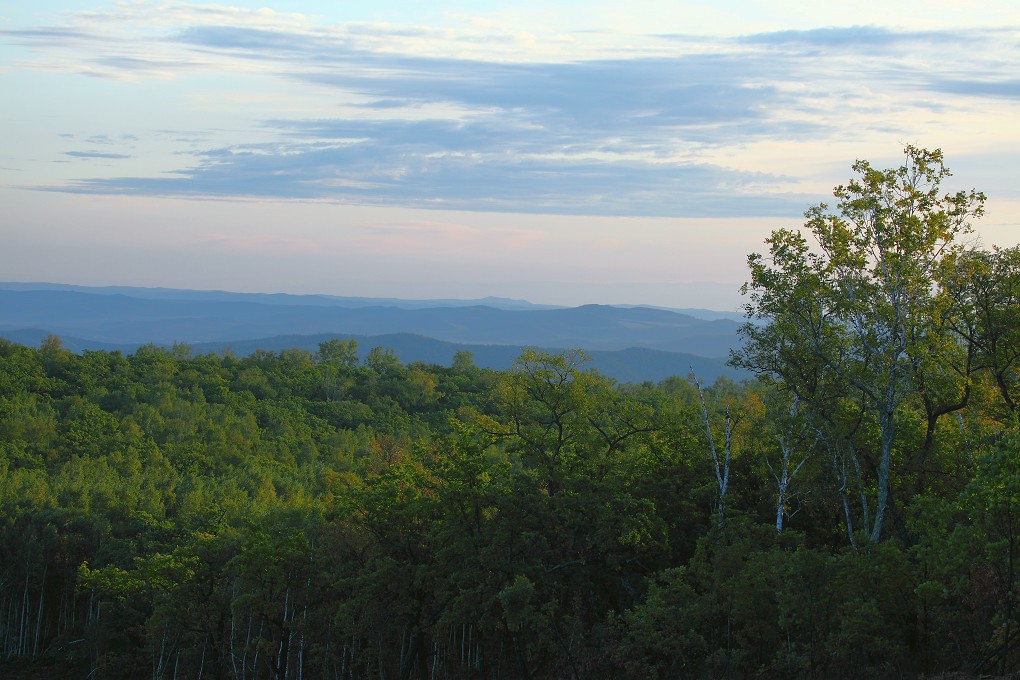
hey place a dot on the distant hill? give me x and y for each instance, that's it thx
(329, 300)
(628, 343)
(273, 298)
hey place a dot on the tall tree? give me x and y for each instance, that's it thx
(856, 306)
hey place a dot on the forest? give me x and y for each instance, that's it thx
(852, 511)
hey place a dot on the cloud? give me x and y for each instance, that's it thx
(49, 35)
(1005, 89)
(257, 40)
(475, 119)
(95, 154)
(852, 36)
(107, 139)
(598, 95)
(367, 174)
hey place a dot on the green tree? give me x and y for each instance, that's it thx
(986, 285)
(337, 362)
(857, 308)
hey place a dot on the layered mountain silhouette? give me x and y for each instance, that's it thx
(627, 343)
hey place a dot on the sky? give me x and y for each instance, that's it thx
(562, 152)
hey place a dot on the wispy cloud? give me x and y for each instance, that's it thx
(851, 37)
(96, 154)
(423, 119)
(1006, 88)
(107, 139)
(589, 188)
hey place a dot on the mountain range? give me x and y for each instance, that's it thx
(629, 343)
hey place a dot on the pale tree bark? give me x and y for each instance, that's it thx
(721, 468)
(784, 478)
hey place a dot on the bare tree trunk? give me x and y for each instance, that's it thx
(865, 506)
(882, 496)
(722, 470)
(839, 467)
(783, 480)
(39, 613)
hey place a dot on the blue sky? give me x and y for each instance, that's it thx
(561, 152)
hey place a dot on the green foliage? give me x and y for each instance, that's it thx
(285, 511)
(866, 314)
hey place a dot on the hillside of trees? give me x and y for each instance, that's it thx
(853, 511)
